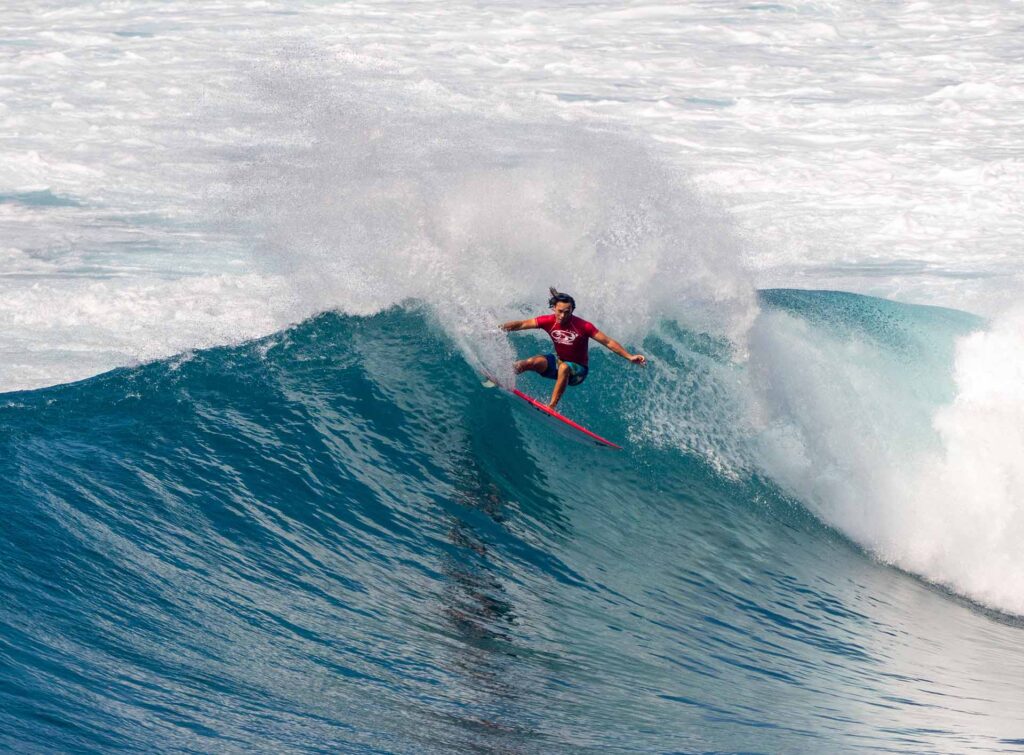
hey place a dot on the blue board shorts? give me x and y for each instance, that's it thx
(577, 372)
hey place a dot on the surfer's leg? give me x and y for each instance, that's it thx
(560, 382)
(533, 364)
(577, 373)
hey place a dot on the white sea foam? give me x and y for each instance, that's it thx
(920, 467)
(964, 519)
(70, 328)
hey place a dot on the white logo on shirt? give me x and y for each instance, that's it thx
(564, 337)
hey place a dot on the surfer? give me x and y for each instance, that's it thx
(571, 336)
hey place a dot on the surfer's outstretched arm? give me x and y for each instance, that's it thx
(519, 325)
(616, 347)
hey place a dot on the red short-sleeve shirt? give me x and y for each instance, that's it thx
(571, 338)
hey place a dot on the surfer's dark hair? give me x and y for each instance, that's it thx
(557, 297)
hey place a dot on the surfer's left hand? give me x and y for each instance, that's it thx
(639, 359)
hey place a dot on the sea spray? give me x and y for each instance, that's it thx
(369, 192)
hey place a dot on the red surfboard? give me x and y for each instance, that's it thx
(559, 422)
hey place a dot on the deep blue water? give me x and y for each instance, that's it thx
(333, 540)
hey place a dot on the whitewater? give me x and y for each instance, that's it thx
(252, 257)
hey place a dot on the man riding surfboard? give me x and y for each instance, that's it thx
(571, 336)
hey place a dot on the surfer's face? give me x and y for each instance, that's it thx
(562, 311)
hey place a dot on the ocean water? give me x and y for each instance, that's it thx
(251, 261)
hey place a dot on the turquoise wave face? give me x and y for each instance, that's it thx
(334, 540)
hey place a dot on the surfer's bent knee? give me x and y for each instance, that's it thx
(534, 364)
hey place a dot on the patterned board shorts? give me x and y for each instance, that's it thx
(577, 372)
